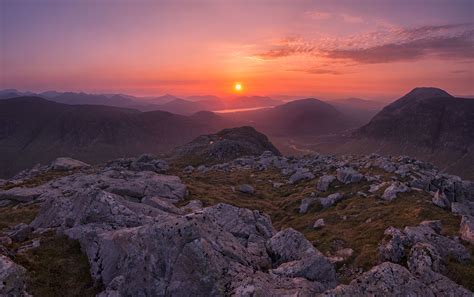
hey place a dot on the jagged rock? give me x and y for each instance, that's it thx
(348, 175)
(319, 224)
(12, 278)
(193, 205)
(423, 256)
(376, 187)
(306, 203)
(20, 194)
(300, 175)
(20, 232)
(330, 200)
(324, 182)
(296, 256)
(391, 192)
(465, 208)
(188, 169)
(389, 279)
(393, 250)
(65, 164)
(161, 204)
(129, 184)
(439, 199)
(246, 189)
(147, 162)
(436, 225)
(467, 229)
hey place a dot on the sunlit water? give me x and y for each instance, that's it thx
(239, 109)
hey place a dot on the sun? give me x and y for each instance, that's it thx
(238, 87)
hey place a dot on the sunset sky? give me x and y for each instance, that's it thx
(370, 49)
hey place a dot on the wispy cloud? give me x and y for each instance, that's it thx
(318, 15)
(391, 45)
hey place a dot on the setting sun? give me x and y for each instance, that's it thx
(238, 87)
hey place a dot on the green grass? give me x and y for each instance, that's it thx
(13, 215)
(57, 268)
(354, 232)
(39, 179)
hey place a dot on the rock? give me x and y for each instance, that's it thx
(298, 257)
(5, 240)
(330, 200)
(19, 194)
(306, 203)
(391, 192)
(20, 232)
(439, 199)
(188, 169)
(300, 175)
(162, 205)
(423, 256)
(324, 182)
(376, 187)
(12, 278)
(246, 189)
(393, 250)
(467, 229)
(193, 205)
(319, 224)
(277, 185)
(147, 162)
(65, 164)
(436, 225)
(389, 279)
(348, 175)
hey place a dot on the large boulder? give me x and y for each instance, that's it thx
(226, 145)
(324, 182)
(467, 229)
(348, 175)
(12, 278)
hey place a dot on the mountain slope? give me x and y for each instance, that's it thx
(34, 130)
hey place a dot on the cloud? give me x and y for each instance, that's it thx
(317, 70)
(318, 15)
(454, 41)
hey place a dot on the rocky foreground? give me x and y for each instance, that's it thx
(150, 228)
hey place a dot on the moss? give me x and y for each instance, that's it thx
(57, 268)
(355, 222)
(39, 179)
(462, 273)
(13, 215)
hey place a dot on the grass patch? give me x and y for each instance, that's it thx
(57, 268)
(14, 215)
(39, 179)
(356, 222)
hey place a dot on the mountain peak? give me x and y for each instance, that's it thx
(421, 93)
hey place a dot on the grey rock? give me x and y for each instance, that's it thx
(20, 194)
(330, 200)
(306, 203)
(423, 256)
(439, 199)
(324, 182)
(319, 224)
(12, 278)
(65, 164)
(193, 205)
(246, 189)
(348, 175)
(188, 169)
(467, 229)
(391, 192)
(300, 175)
(20, 232)
(393, 250)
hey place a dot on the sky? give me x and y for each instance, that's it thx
(372, 49)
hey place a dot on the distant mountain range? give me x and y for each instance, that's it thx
(34, 130)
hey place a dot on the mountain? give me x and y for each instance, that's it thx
(34, 130)
(426, 117)
(225, 145)
(93, 99)
(299, 118)
(426, 123)
(360, 109)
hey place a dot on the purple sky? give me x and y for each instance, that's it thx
(373, 49)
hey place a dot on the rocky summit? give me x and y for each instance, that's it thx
(260, 224)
